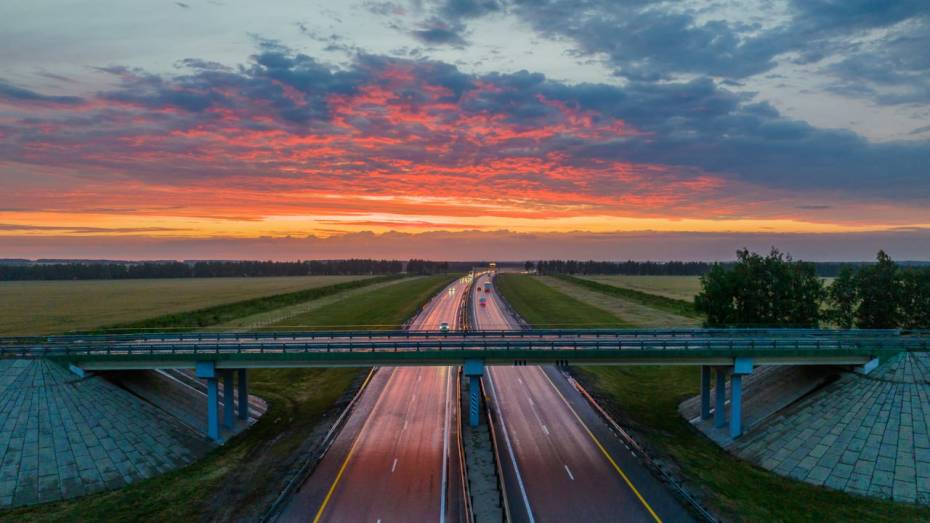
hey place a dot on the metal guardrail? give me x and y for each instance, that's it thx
(722, 346)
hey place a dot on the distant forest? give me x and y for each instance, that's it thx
(20, 270)
(674, 268)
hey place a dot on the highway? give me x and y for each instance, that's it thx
(561, 462)
(397, 458)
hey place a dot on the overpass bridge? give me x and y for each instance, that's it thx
(728, 352)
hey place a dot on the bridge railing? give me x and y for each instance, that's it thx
(430, 334)
(728, 347)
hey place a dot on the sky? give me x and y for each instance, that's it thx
(464, 129)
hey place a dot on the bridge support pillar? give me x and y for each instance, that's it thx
(207, 370)
(474, 369)
(741, 367)
(243, 395)
(229, 411)
(720, 397)
(705, 392)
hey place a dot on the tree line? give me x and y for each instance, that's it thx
(777, 291)
(199, 269)
(672, 268)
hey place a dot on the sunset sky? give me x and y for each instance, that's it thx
(464, 129)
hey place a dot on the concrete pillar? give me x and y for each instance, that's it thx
(207, 370)
(474, 369)
(720, 393)
(243, 395)
(741, 366)
(705, 392)
(736, 405)
(213, 418)
(229, 410)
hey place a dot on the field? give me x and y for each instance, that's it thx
(645, 399)
(236, 481)
(48, 307)
(677, 287)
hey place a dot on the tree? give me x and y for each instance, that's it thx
(879, 289)
(772, 291)
(843, 298)
(529, 266)
(915, 298)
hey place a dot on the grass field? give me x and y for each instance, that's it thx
(675, 287)
(646, 399)
(236, 481)
(48, 307)
(673, 306)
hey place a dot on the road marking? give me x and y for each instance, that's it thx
(394, 466)
(546, 430)
(569, 472)
(445, 450)
(405, 425)
(603, 450)
(513, 460)
(345, 463)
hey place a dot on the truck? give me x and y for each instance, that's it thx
(487, 286)
(482, 301)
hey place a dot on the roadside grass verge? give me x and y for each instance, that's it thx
(645, 399)
(662, 303)
(219, 314)
(238, 480)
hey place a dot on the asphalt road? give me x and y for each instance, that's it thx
(561, 461)
(396, 459)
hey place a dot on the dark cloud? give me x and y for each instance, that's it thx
(13, 93)
(436, 31)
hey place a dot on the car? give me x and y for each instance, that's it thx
(444, 327)
(482, 301)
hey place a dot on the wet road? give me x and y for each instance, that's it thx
(396, 459)
(561, 461)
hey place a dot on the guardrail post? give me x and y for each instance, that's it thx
(207, 370)
(720, 393)
(705, 391)
(243, 395)
(229, 412)
(474, 369)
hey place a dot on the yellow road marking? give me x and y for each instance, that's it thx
(345, 462)
(603, 450)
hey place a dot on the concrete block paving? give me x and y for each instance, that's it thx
(866, 435)
(63, 437)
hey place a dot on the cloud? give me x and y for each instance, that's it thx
(417, 133)
(12, 93)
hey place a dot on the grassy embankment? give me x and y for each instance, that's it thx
(55, 307)
(646, 400)
(238, 480)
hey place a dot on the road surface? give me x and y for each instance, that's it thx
(561, 462)
(396, 459)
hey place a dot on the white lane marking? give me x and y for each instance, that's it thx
(546, 430)
(405, 425)
(520, 380)
(569, 472)
(513, 460)
(394, 466)
(445, 450)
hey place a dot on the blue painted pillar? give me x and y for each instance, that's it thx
(474, 369)
(720, 393)
(741, 366)
(736, 405)
(243, 395)
(207, 370)
(229, 411)
(705, 392)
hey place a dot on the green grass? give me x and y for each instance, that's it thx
(238, 480)
(662, 303)
(229, 311)
(544, 306)
(53, 307)
(675, 287)
(646, 400)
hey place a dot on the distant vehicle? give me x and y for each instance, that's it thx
(444, 327)
(482, 301)
(487, 286)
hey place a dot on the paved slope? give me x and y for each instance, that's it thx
(564, 465)
(395, 459)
